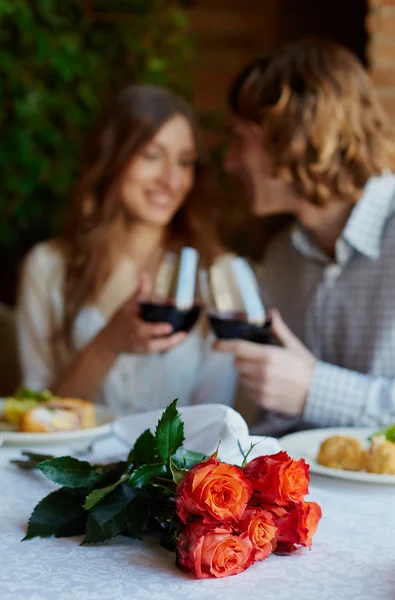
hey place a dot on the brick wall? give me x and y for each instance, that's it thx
(231, 32)
(380, 24)
(228, 34)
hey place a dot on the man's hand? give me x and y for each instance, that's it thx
(276, 378)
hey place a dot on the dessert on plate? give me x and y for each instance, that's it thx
(42, 412)
(381, 456)
(342, 452)
(346, 452)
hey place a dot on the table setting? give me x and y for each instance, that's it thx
(351, 555)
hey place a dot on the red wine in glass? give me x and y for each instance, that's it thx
(234, 304)
(173, 299)
(167, 312)
(228, 326)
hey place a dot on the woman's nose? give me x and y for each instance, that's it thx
(171, 176)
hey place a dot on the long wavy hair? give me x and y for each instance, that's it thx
(96, 209)
(322, 121)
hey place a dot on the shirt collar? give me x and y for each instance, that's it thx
(303, 243)
(365, 226)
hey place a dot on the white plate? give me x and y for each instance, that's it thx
(104, 419)
(305, 444)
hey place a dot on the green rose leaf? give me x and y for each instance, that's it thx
(97, 495)
(138, 520)
(186, 459)
(59, 514)
(69, 472)
(143, 475)
(33, 460)
(108, 518)
(177, 472)
(169, 432)
(144, 450)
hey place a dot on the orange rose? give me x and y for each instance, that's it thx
(213, 550)
(297, 526)
(278, 479)
(214, 490)
(259, 524)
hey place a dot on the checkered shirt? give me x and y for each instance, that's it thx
(343, 310)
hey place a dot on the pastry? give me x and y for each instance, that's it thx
(62, 414)
(381, 456)
(341, 452)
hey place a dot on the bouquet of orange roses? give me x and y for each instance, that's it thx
(235, 516)
(218, 518)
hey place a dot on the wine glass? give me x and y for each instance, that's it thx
(173, 298)
(234, 304)
(233, 301)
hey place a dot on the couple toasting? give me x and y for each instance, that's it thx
(311, 139)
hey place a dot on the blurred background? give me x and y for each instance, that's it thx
(60, 61)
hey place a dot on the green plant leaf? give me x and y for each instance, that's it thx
(186, 459)
(33, 460)
(179, 18)
(144, 450)
(139, 516)
(143, 475)
(170, 536)
(177, 472)
(97, 495)
(70, 63)
(59, 514)
(70, 472)
(108, 518)
(169, 432)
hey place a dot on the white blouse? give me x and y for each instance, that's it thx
(192, 371)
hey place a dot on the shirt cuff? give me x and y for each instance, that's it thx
(341, 397)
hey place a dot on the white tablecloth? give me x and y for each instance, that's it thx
(353, 554)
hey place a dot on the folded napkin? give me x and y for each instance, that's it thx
(205, 425)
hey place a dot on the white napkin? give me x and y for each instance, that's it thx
(205, 426)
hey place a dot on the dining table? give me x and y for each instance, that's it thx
(352, 556)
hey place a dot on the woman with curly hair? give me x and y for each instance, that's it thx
(311, 138)
(142, 191)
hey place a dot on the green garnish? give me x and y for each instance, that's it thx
(388, 433)
(28, 394)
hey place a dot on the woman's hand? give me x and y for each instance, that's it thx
(276, 378)
(127, 333)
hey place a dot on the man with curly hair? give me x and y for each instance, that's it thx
(311, 138)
